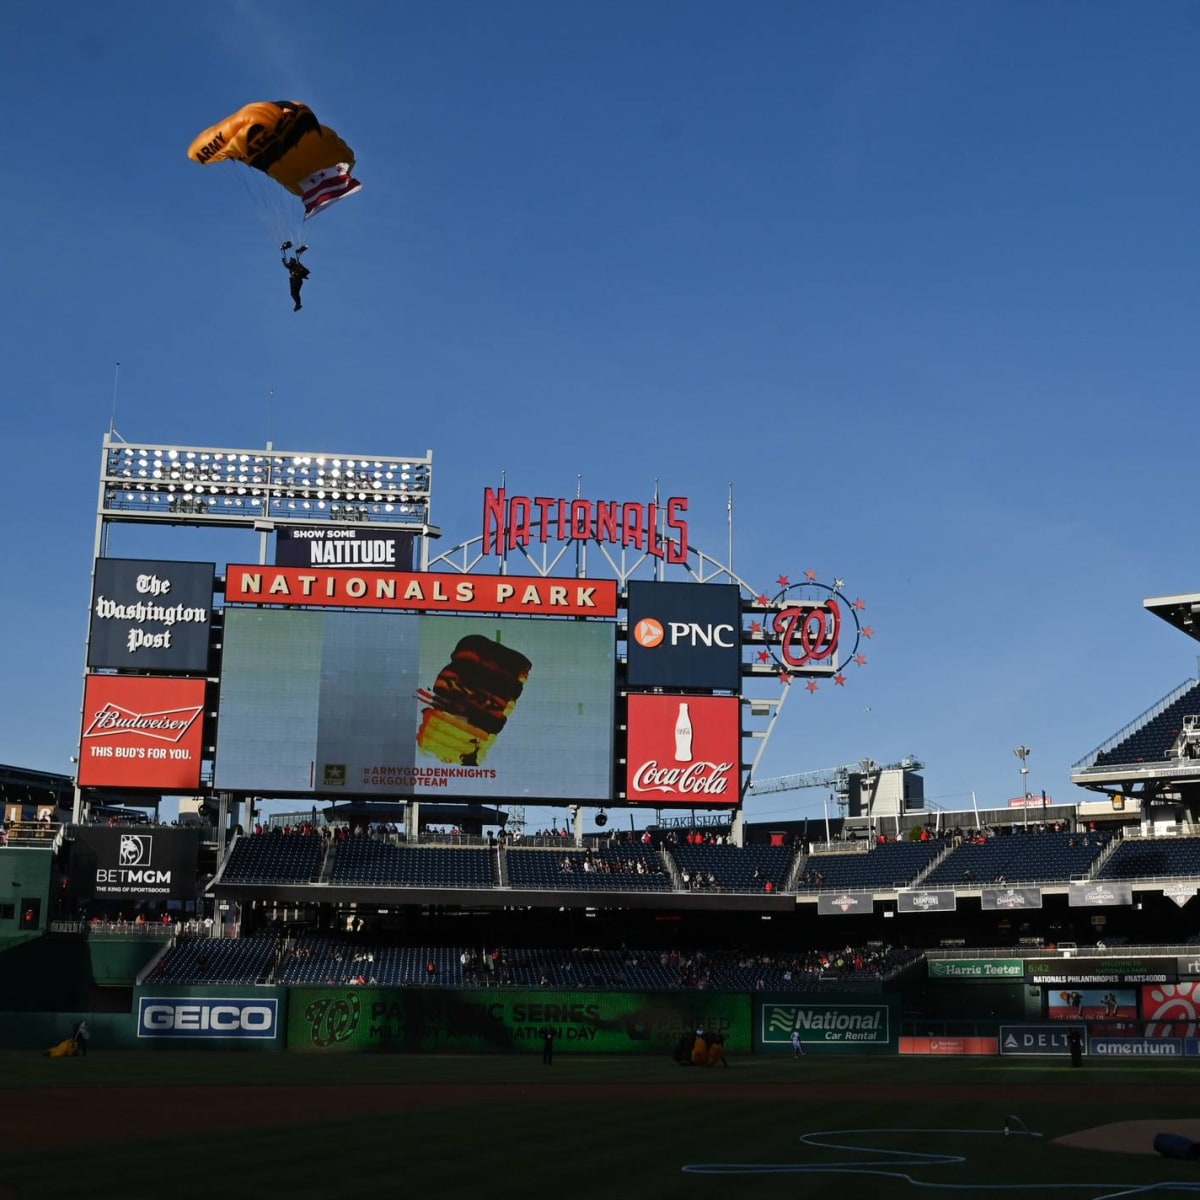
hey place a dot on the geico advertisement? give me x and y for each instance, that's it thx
(154, 864)
(415, 705)
(684, 750)
(206, 1017)
(684, 635)
(141, 732)
(363, 1018)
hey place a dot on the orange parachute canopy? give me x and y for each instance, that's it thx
(283, 139)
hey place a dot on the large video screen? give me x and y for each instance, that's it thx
(408, 704)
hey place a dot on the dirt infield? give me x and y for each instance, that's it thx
(43, 1113)
(1130, 1137)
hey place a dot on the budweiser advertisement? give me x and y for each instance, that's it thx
(141, 732)
(684, 750)
(415, 704)
(423, 591)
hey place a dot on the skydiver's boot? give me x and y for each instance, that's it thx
(286, 246)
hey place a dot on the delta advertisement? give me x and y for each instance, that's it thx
(142, 731)
(138, 865)
(415, 705)
(684, 635)
(684, 750)
(150, 615)
(473, 1022)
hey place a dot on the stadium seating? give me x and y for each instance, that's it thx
(1151, 742)
(369, 862)
(888, 865)
(217, 960)
(1042, 857)
(733, 868)
(1153, 858)
(328, 959)
(610, 870)
(275, 858)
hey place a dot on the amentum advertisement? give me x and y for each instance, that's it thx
(415, 705)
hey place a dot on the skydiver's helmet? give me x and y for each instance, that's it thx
(288, 246)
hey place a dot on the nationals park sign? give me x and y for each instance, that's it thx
(424, 591)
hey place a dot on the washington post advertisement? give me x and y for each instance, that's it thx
(473, 1022)
(416, 705)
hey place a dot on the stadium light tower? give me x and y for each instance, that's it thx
(1023, 752)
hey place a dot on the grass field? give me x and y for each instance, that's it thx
(226, 1126)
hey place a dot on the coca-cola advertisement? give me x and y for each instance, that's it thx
(142, 732)
(408, 704)
(684, 750)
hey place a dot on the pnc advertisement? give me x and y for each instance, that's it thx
(684, 750)
(684, 635)
(141, 732)
(415, 705)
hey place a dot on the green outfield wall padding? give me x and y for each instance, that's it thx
(432, 1019)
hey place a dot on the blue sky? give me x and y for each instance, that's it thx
(918, 279)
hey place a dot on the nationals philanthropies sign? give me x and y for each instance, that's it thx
(684, 750)
(141, 732)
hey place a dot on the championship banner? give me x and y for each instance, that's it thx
(146, 863)
(845, 904)
(149, 615)
(142, 732)
(932, 900)
(1099, 895)
(428, 1020)
(328, 546)
(423, 591)
(1002, 898)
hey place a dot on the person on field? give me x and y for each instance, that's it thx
(797, 1044)
(547, 1044)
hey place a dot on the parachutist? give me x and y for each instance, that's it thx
(297, 274)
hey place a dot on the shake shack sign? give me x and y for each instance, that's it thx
(150, 615)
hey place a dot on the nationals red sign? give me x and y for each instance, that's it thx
(424, 591)
(141, 732)
(684, 750)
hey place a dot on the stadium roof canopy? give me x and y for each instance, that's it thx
(1181, 612)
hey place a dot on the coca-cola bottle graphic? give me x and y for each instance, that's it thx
(683, 735)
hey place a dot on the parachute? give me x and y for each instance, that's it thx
(284, 140)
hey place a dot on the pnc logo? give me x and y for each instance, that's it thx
(648, 633)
